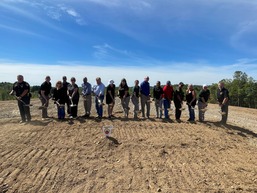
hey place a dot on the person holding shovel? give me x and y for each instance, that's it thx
(178, 100)
(98, 90)
(86, 93)
(44, 96)
(191, 101)
(124, 96)
(21, 89)
(135, 98)
(110, 98)
(157, 95)
(223, 99)
(202, 102)
(59, 96)
(167, 98)
(73, 93)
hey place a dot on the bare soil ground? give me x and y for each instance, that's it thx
(150, 155)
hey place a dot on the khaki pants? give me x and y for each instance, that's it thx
(87, 104)
(45, 104)
(145, 102)
(201, 106)
(135, 101)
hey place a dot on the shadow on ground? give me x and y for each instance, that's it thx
(241, 131)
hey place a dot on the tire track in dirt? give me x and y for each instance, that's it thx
(150, 155)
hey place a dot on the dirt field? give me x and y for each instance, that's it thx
(149, 155)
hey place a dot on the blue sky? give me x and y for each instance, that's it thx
(194, 41)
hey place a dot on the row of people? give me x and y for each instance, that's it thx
(68, 93)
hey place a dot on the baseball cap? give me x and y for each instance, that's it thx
(205, 85)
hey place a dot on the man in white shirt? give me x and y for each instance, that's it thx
(98, 90)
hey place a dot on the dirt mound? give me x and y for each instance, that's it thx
(145, 155)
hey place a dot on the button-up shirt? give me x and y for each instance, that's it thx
(99, 89)
(86, 89)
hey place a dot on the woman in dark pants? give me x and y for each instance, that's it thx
(178, 100)
(110, 98)
(59, 96)
(191, 102)
(73, 93)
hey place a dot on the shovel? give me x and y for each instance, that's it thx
(24, 104)
(58, 104)
(72, 105)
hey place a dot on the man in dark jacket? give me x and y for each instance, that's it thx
(204, 96)
(178, 100)
(157, 95)
(21, 89)
(223, 99)
(44, 95)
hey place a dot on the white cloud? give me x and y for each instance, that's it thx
(109, 3)
(32, 17)
(72, 12)
(27, 32)
(106, 51)
(175, 72)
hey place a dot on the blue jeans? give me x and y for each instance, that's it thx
(99, 108)
(191, 113)
(166, 104)
(61, 112)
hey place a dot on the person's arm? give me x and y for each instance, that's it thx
(89, 89)
(171, 93)
(43, 94)
(225, 100)
(203, 100)
(23, 93)
(154, 93)
(83, 92)
(110, 93)
(142, 89)
(74, 92)
(125, 93)
(161, 94)
(102, 87)
(202, 97)
(194, 97)
(149, 90)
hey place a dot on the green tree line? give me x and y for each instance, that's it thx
(242, 90)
